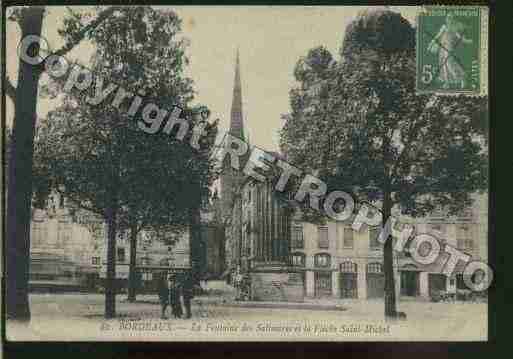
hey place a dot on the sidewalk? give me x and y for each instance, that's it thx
(218, 293)
(83, 317)
(306, 305)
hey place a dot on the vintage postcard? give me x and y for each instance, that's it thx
(246, 173)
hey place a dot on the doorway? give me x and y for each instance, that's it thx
(348, 280)
(322, 284)
(437, 283)
(410, 283)
(375, 281)
(348, 285)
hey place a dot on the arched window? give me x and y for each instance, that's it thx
(297, 236)
(322, 260)
(348, 267)
(375, 268)
(410, 267)
(297, 259)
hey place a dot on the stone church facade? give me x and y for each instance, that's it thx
(258, 227)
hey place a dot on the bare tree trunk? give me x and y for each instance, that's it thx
(110, 287)
(20, 177)
(388, 261)
(195, 245)
(132, 274)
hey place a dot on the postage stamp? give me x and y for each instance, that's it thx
(450, 50)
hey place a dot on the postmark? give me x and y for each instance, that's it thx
(449, 50)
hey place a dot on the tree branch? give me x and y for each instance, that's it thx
(82, 33)
(80, 204)
(412, 131)
(10, 90)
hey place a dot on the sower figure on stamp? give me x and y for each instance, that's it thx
(163, 291)
(174, 297)
(445, 43)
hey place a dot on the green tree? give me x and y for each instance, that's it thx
(165, 197)
(19, 192)
(119, 166)
(366, 131)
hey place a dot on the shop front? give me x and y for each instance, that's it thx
(375, 280)
(348, 280)
(410, 281)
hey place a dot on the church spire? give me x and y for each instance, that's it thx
(236, 119)
(230, 178)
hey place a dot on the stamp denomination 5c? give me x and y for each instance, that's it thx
(449, 50)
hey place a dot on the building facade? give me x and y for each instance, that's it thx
(339, 262)
(154, 255)
(60, 248)
(258, 243)
(68, 250)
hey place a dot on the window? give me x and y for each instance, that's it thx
(374, 268)
(460, 283)
(37, 233)
(322, 260)
(96, 260)
(348, 267)
(144, 261)
(348, 237)
(298, 259)
(63, 233)
(333, 141)
(315, 89)
(464, 238)
(120, 254)
(297, 237)
(373, 237)
(323, 237)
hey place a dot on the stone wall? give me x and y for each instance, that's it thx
(276, 286)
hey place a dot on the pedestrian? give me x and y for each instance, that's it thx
(238, 283)
(174, 297)
(187, 290)
(163, 291)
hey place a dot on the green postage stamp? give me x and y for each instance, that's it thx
(452, 51)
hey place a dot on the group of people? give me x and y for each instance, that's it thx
(174, 289)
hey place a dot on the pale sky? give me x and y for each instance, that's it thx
(271, 39)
